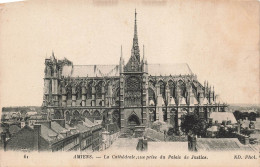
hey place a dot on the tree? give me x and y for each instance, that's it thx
(252, 116)
(194, 124)
(245, 115)
(237, 115)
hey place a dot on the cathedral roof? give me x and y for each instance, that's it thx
(113, 70)
(169, 69)
(91, 71)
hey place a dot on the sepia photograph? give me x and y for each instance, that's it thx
(132, 83)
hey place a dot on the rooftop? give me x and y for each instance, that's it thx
(82, 128)
(113, 70)
(222, 144)
(48, 134)
(165, 146)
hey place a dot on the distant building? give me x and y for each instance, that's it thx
(34, 118)
(220, 117)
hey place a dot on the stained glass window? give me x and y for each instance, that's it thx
(78, 92)
(172, 88)
(99, 90)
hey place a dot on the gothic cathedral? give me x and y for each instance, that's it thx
(127, 95)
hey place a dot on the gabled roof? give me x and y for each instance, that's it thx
(48, 134)
(57, 128)
(72, 130)
(82, 128)
(88, 123)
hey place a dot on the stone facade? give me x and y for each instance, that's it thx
(128, 94)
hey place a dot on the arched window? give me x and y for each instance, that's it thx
(115, 117)
(89, 91)
(133, 91)
(69, 92)
(67, 116)
(86, 114)
(105, 118)
(99, 90)
(76, 115)
(96, 115)
(133, 121)
(78, 92)
(57, 114)
(162, 88)
(182, 88)
(133, 84)
(151, 94)
(171, 88)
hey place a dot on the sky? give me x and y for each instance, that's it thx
(218, 39)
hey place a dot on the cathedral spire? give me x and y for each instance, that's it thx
(135, 49)
(135, 31)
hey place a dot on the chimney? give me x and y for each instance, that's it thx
(145, 145)
(37, 133)
(239, 126)
(3, 140)
(246, 140)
